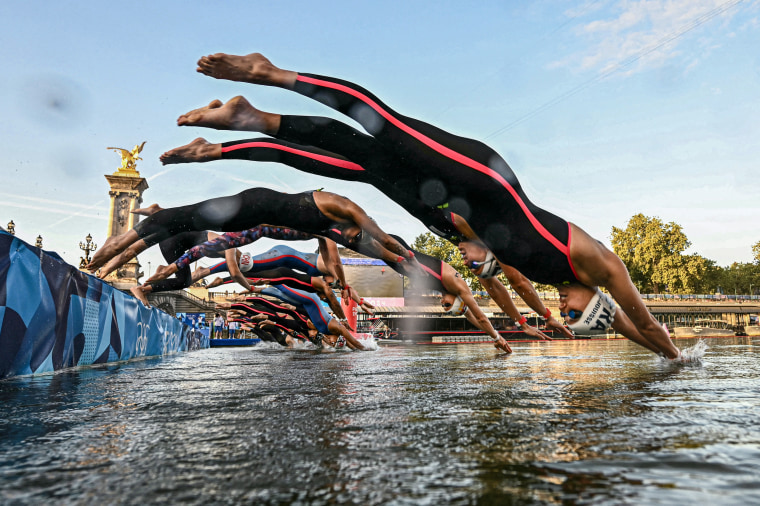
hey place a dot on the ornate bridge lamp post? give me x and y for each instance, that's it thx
(39, 242)
(87, 246)
(11, 228)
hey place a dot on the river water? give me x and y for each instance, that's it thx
(566, 422)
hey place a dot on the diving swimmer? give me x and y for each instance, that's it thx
(480, 194)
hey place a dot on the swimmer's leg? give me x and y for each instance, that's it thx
(253, 68)
(200, 273)
(216, 282)
(236, 114)
(200, 150)
(125, 256)
(112, 247)
(148, 211)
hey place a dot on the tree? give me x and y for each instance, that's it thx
(652, 252)
(440, 248)
(737, 278)
(756, 252)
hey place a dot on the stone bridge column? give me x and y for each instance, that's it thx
(127, 187)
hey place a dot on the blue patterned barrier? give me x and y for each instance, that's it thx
(53, 316)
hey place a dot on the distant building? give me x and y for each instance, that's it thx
(371, 277)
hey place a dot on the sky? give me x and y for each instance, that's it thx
(603, 109)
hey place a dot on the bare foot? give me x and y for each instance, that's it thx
(253, 68)
(162, 272)
(112, 247)
(200, 150)
(236, 114)
(215, 283)
(148, 211)
(140, 293)
(115, 262)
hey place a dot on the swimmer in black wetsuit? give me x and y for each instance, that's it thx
(457, 296)
(264, 320)
(473, 183)
(320, 318)
(315, 212)
(291, 278)
(326, 263)
(172, 249)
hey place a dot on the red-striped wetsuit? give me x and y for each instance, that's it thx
(428, 171)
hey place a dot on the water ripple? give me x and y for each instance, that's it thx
(556, 423)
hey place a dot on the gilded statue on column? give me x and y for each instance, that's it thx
(129, 158)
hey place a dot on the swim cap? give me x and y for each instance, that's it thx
(490, 266)
(597, 317)
(458, 307)
(246, 262)
(340, 342)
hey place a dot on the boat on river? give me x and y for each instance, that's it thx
(753, 329)
(705, 328)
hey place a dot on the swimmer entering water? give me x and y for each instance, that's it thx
(481, 195)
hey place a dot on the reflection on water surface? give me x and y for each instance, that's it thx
(560, 422)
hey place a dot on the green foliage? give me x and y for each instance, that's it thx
(440, 248)
(653, 253)
(737, 278)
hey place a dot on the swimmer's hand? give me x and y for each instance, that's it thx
(162, 272)
(347, 325)
(367, 307)
(680, 359)
(553, 323)
(501, 344)
(534, 332)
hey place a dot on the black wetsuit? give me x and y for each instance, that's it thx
(428, 171)
(260, 305)
(172, 249)
(431, 265)
(279, 276)
(248, 208)
(297, 322)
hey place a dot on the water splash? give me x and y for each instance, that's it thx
(301, 345)
(692, 355)
(268, 345)
(369, 343)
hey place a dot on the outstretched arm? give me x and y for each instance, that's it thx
(527, 292)
(321, 287)
(454, 284)
(336, 327)
(503, 299)
(231, 256)
(344, 210)
(328, 251)
(476, 316)
(598, 266)
(625, 326)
